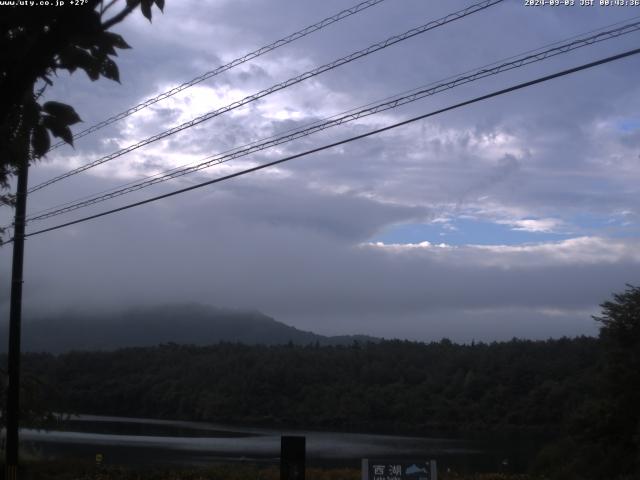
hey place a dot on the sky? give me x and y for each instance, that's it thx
(513, 217)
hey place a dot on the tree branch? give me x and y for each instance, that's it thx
(120, 16)
(109, 5)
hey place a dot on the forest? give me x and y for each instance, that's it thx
(389, 386)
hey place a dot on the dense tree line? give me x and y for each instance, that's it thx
(390, 386)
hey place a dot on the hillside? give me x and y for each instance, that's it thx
(190, 324)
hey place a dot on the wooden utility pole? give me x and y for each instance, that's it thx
(15, 320)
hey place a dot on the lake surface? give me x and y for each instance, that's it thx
(144, 442)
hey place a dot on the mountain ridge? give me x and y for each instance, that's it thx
(188, 323)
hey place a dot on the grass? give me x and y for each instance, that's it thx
(74, 470)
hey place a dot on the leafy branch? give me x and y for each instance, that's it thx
(35, 45)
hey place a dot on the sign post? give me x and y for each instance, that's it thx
(376, 469)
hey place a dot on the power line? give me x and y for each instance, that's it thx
(280, 86)
(340, 119)
(347, 140)
(234, 63)
(487, 66)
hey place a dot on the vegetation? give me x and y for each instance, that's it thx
(388, 386)
(618, 432)
(603, 438)
(78, 471)
(37, 43)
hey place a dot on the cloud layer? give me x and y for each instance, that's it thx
(557, 165)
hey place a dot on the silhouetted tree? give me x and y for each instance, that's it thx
(618, 430)
(603, 439)
(35, 43)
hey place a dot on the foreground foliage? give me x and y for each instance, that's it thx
(37, 43)
(61, 470)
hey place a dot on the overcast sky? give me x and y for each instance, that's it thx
(517, 216)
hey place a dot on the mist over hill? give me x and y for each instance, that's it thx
(191, 324)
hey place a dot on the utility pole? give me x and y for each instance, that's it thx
(15, 320)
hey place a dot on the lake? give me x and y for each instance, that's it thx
(146, 442)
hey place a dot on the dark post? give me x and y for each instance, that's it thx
(292, 458)
(15, 316)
